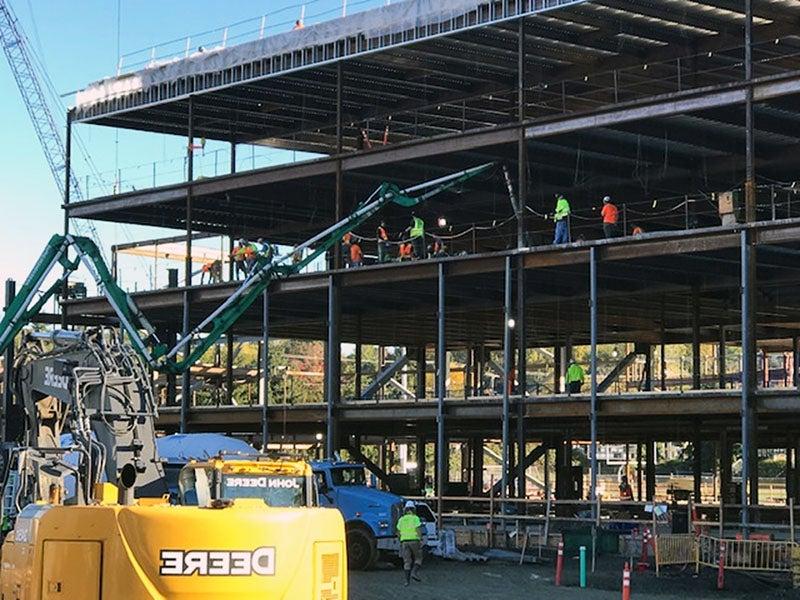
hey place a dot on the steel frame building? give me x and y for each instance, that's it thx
(637, 99)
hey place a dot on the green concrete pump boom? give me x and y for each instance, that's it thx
(142, 334)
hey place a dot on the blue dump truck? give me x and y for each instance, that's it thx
(370, 514)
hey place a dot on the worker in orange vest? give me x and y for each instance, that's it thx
(347, 238)
(610, 215)
(383, 242)
(237, 255)
(356, 255)
(406, 251)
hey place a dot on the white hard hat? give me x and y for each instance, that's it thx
(607, 199)
(410, 504)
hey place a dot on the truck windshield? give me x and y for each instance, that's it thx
(348, 476)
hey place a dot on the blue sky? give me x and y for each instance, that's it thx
(78, 44)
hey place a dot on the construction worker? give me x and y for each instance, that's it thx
(561, 217)
(410, 531)
(637, 230)
(265, 251)
(238, 257)
(383, 242)
(356, 255)
(416, 232)
(406, 251)
(214, 271)
(437, 247)
(298, 25)
(625, 490)
(347, 239)
(250, 256)
(610, 215)
(574, 378)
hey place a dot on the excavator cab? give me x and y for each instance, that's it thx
(279, 483)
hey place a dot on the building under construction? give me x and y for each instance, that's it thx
(684, 112)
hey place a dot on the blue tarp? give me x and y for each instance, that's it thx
(179, 448)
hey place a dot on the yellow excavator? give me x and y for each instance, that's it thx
(88, 515)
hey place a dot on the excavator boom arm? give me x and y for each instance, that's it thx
(142, 334)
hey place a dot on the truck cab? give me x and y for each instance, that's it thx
(370, 514)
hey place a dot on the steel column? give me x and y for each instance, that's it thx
(696, 375)
(697, 467)
(507, 370)
(441, 355)
(748, 376)
(522, 158)
(264, 387)
(333, 365)
(521, 326)
(723, 367)
(749, 184)
(339, 190)
(67, 190)
(477, 466)
(186, 379)
(725, 468)
(421, 372)
(521, 454)
(795, 364)
(639, 448)
(593, 363)
(8, 396)
(650, 470)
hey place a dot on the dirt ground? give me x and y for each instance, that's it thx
(500, 580)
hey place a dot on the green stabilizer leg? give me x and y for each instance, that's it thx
(18, 314)
(149, 347)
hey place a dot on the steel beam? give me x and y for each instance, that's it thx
(441, 346)
(385, 376)
(333, 366)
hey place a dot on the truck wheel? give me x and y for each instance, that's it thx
(362, 552)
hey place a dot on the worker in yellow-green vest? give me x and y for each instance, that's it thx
(561, 217)
(417, 234)
(574, 378)
(410, 531)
